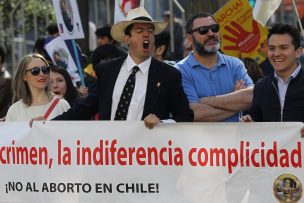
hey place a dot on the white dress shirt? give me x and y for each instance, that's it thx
(283, 85)
(138, 98)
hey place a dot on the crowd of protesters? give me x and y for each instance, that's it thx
(142, 81)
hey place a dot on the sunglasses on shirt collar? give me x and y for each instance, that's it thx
(36, 70)
(205, 29)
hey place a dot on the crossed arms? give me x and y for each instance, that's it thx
(218, 108)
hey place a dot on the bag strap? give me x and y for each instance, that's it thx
(48, 112)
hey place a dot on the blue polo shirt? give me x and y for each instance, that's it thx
(199, 81)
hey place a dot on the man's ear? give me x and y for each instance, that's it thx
(160, 50)
(189, 38)
(127, 39)
(299, 52)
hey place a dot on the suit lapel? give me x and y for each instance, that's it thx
(153, 88)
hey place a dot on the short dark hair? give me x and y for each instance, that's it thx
(52, 29)
(106, 52)
(128, 30)
(189, 24)
(2, 55)
(104, 31)
(291, 30)
(163, 38)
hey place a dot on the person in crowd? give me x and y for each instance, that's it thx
(161, 46)
(103, 35)
(138, 86)
(52, 31)
(218, 86)
(62, 85)
(31, 91)
(60, 56)
(5, 86)
(253, 69)
(106, 52)
(265, 65)
(178, 37)
(39, 48)
(280, 96)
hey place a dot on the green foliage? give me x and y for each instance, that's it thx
(43, 9)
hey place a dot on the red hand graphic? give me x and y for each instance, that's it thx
(244, 41)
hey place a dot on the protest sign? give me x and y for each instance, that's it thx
(126, 162)
(242, 37)
(61, 56)
(68, 19)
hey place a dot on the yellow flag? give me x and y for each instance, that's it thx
(242, 36)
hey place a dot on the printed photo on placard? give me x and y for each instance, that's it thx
(60, 55)
(68, 19)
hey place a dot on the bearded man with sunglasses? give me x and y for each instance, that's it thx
(217, 86)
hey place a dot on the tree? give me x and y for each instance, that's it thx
(29, 16)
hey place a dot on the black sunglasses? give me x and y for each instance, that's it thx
(36, 70)
(205, 29)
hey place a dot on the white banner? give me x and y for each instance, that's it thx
(68, 19)
(122, 162)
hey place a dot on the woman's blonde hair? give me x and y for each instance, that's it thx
(20, 87)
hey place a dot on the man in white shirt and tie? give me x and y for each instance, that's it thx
(152, 93)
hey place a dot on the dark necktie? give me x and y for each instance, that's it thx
(126, 95)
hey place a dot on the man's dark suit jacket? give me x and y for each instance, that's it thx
(165, 96)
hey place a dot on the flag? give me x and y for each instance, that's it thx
(122, 7)
(264, 9)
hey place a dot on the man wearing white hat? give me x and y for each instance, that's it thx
(136, 87)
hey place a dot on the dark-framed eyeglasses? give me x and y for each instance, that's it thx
(205, 29)
(36, 70)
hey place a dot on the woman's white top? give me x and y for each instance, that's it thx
(21, 112)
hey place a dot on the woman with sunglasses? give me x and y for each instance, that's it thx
(31, 91)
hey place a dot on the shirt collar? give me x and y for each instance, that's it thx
(143, 67)
(193, 62)
(293, 75)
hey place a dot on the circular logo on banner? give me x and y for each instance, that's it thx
(287, 188)
(67, 14)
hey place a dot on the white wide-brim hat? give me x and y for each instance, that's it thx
(137, 15)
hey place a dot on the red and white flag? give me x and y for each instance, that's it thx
(264, 9)
(122, 7)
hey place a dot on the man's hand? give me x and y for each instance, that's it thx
(40, 118)
(151, 120)
(245, 119)
(84, 91)
(239, 85)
